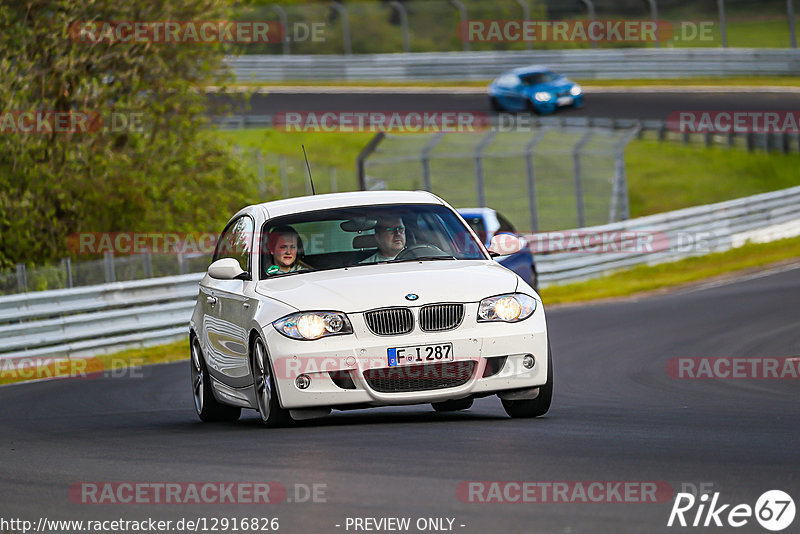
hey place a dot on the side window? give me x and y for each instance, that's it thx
(237, 242)
(505, 225)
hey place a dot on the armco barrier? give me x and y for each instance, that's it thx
(105, 318)
(96, 319)
(584, 64)
(681, 234)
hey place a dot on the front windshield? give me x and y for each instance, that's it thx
(355, 236)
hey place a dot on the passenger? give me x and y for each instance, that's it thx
(286, 250)
(390, 233)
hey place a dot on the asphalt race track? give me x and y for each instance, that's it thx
(616, 416)
(635, 104)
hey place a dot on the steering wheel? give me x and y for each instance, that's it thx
(419, 251)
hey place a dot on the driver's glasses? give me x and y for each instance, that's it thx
(393, 230)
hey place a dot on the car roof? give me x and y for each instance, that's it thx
(475, 211)
(289, 206)
(533, 69)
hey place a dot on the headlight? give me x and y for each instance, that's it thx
(576, 90)
(509, 308)
(542, 96)
(313, 325)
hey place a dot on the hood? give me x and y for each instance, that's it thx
(366, 287)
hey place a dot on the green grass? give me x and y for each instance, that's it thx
(668, 176)
(644, 279)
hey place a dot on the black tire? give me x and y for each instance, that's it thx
(534, 279)
(269, 407)
(495, 104)
(453, 405)
(541, 404)
(205, 404)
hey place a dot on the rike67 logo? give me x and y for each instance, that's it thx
(774, 510)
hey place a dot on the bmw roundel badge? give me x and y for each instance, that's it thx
(412, 296)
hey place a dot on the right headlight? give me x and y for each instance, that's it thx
(313, 325)
(509, 308)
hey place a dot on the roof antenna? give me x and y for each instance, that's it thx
(309, 170)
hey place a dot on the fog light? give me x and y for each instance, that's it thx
(528, 361)
(302, 381)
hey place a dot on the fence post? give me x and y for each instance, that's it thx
(67, 263)
(262, 181)
(479, 184)
(462, 14)
(148, 265)
(425, 159)
(790, 15)
(654, 16)
(346, 41)
(722, 25)
(181, 264)
(332, 175)
(284, 177)
(576, 162)
(108, 263)
(532, 203)
(362, 158)
(285, 23)
(526, 15)
(620, 209)
(590, 9)
(401, 10)
(22, 278)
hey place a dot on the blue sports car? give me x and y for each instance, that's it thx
(487, 223)
(535, 89)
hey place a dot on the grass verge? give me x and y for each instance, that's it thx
(648, 278)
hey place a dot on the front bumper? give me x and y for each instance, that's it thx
(363, 351)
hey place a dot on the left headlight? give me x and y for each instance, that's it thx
(509, 308)
(313, 325)
(542, 96)
(575, 90)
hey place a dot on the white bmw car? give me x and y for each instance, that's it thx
(357, 300)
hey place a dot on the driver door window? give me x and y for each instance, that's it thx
(237, 242)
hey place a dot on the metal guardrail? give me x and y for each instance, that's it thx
(83, 321)
(95, 319)
(584, 64)
(675, 235)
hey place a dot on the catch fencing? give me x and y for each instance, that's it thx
(90, 320)
(545, 178)
(435, 25)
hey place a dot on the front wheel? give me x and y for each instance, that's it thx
(272, 415)
(207, 407)
(541, 404)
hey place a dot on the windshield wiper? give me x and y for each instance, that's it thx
(424, 258)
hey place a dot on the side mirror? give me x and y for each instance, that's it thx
(225, 269)
(505, 244)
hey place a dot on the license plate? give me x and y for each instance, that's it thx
(564, 100)
(420, 354)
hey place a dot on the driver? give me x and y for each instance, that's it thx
(390, 233)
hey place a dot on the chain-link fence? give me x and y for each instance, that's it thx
(438, 25)
(547, 179)
(69, 273)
